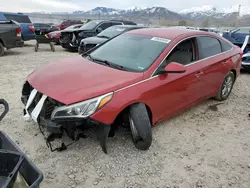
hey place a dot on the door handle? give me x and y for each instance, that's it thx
(198, 74)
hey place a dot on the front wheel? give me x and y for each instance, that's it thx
(226, 87)
(140, 126)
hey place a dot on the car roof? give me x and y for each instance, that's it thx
(128, 26)
(169, 33)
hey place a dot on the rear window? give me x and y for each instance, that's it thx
(208, 46)
(18, 18)
(225, 46)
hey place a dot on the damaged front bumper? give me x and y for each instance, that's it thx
(39, 107)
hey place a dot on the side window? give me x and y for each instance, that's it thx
(183, 53)
(243, 31)
(105, 25)
(18, 18)
(116, 23)
(225, 46)
(208, 46)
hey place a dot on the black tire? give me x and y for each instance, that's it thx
(220, 96)
(139, 116)
(1, 49)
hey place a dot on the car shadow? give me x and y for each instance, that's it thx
(10, 52)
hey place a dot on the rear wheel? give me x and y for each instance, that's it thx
(226, 87)
(1, 49)
(140, 126)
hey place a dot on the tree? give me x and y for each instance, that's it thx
(182, 23)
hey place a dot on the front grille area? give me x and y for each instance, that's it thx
(66, 38)
(48, 106)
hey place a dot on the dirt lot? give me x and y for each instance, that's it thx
(202, 147)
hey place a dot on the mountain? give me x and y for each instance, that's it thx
(163, 16)
(215, 12)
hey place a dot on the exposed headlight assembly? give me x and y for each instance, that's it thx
(81, 109)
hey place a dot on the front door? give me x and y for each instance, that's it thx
(176, 91)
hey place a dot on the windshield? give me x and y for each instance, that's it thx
(131, 51)
(111, 32)
(90, 25)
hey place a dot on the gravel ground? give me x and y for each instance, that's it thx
(204, 146)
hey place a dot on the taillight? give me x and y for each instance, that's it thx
(18, 32)
(31, 27)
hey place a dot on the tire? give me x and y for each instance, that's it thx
(1, 49)
(226, 87)
(140, 125)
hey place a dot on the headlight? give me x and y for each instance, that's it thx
(81, 109)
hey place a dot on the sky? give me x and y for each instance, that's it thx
(72, 5)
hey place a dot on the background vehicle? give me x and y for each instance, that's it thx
(10, 35)
(136, 80)
(66, 23)
(71, 39)
(28, 30)
(237, 36)
(42, 26)
(90, 42)
(55, 35)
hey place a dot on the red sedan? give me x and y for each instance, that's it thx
(136, 80)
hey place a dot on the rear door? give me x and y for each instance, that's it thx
(213, 61)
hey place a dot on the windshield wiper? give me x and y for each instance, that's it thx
(102, 36)
(108, 63)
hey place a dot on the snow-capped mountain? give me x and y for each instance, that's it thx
(103, 10)
(157, 13)
(209, 10)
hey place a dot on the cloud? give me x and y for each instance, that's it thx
(38, 5)
(71, 5)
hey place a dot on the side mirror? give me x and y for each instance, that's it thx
(99, 30)
(174, 67)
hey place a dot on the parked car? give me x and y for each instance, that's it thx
(136, 80)
(237, 36)
(55, 35)
(246, 62)
(10, 35)
(42, 27)
(90, 42)
(66, 23)
(28, 30)
(71, 39)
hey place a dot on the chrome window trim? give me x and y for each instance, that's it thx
(154, 76)
(194, 61)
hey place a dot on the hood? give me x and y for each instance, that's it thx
(76, 79)
(73, 30)
(94, 40)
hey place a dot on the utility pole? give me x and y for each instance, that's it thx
(238, 16)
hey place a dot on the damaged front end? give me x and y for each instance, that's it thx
(56, 119)
(71, 40)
